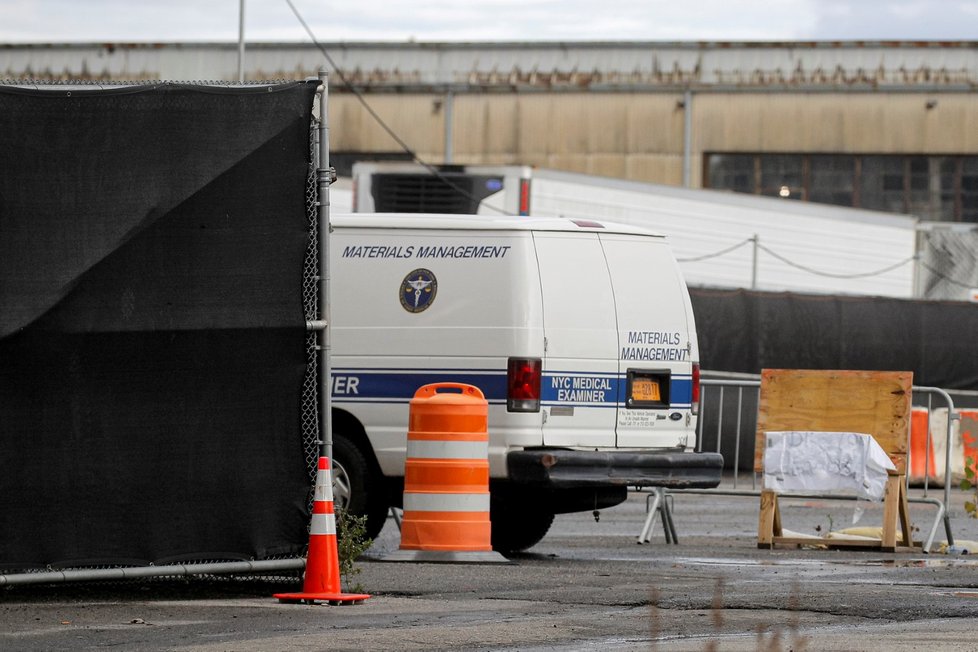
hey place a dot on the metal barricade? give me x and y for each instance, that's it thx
(727, 425)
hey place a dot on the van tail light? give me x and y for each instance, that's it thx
(696, 388)
(523, 384)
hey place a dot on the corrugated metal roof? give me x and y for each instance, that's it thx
(857, 65)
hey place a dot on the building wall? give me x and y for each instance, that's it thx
(624, 135)
(639, 136)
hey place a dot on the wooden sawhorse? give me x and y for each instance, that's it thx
(873, 402)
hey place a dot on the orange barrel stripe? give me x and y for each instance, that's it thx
(446, 474)
(457, 476)
(923, 463)
(969, 434)
(445, 421)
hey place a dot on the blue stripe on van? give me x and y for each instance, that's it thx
(399, 385)
(681, 391)
(604, 390)
(581, 389)
(565, 388)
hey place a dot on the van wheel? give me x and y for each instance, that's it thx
(356, 486)
(517, 526)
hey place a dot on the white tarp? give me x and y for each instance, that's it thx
(846, 463)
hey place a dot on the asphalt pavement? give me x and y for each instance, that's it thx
(587, 585)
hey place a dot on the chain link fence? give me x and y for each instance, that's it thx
(947, 262)
(310, 303)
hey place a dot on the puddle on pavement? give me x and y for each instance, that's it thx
(942, 562)
(710, 561)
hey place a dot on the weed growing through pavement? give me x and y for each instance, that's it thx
(351, 542)
(970, 483)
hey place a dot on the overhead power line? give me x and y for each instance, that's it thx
(390, 132)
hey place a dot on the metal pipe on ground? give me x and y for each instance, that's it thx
(172, 570)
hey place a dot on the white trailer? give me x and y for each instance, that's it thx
(721, 239)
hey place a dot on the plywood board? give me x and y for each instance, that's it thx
(872, 402)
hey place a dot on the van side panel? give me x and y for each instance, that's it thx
(416, 306)
(579, 391)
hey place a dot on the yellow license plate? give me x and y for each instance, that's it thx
(645, 389)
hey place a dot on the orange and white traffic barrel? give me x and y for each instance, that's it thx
(446, 477)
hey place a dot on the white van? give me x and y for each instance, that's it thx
(580, 334)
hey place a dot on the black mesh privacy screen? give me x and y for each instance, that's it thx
(151, 323)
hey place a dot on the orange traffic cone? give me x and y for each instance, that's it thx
(322, 578)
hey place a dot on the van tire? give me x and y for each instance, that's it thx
(517, 526)
(357, 486)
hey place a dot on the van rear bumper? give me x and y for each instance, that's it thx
(561, 468)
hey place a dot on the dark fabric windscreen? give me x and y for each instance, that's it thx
(151, 323)
(746, 331)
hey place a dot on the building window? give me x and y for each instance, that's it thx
(733, 171)
(968, 192)
(939, 188)
(782, 176)
(831, 179)
(882, 183)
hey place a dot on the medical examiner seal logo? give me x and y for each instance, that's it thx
(418, 290)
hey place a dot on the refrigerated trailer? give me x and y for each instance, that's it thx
(721, 239)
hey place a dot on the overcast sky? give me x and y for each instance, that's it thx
(46, 21)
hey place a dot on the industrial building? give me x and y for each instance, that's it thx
(890, 126)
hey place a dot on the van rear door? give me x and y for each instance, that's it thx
(655, 342)
(579, 389)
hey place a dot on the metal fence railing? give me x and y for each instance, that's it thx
(728, 425)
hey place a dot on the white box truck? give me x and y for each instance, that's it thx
(722, 239)
(579, 333)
